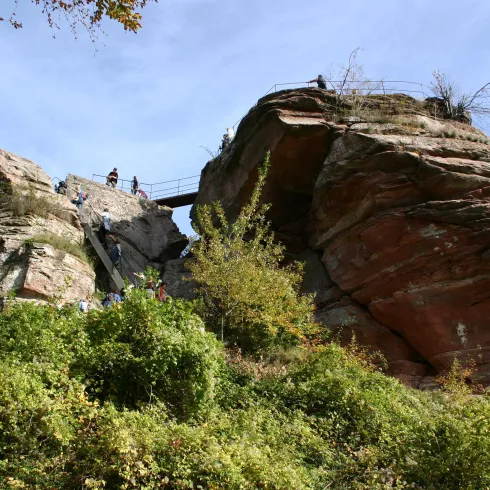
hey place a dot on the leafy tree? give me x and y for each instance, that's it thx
(249, 295)
(88, 13)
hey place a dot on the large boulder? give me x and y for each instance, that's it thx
(146, 231)
(397, 205)
(38, 270)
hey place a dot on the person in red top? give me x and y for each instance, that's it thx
(142, 193)
(162, 292)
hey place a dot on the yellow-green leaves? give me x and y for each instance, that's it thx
(250, 296)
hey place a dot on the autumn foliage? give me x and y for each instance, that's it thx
(88, 13)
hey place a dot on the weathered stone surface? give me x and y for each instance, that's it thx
(177, 277)
(47, 269)
(146, 231)
(397, 206)
(38, 271)
(22, 172)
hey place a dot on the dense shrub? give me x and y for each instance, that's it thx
(144, 351)
(248, 294)
(137, 396)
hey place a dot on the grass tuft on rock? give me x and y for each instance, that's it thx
(61, 243)
(22, 201)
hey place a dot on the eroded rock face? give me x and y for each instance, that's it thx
(398, 210)
(146, 231)
(178, 278)
(39, 271)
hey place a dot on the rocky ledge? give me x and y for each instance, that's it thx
(146, 231)
(389, 208)
(38, 270)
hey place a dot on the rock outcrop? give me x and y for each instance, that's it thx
(178, 278)
(38, 270)
(389, 207)
(146, 231)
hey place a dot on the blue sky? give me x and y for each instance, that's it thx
(146, 102)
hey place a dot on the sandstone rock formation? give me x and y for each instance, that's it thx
(38, 271)
(178, 278)
(146, 231)
(389, 208)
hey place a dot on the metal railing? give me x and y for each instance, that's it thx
(366, 87)
(160, 190)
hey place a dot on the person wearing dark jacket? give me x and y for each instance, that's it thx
(116, 253)
(112, 178)
(134, 185)
(320, 81)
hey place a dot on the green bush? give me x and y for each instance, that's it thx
(248, 295)
(138, 396)
(143, 350)
(61, 243)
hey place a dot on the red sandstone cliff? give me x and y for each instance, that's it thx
(389, 209)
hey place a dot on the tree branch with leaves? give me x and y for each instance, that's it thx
(87, 13)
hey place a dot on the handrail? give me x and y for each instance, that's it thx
(154, 193)
(383, 88)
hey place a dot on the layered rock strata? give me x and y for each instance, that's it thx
(389, 208)
(38, 270)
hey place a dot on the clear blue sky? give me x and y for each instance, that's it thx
(146, 102)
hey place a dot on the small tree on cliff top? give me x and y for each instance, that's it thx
(249, 297)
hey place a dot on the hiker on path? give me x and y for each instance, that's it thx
(117, 297)
(150, 287)
(142, 194)
(134, 185)
(225, 142)
(61, 188)
(112, 178)
(108, 300)
(105, 227)
(116, 254)
(83, 305)
(78, 199)
(162, 292)
(320, 81)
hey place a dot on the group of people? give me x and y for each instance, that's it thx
(79, 195)
(113, 177)
(154, 289)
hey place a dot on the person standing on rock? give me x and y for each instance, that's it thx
(162, 292)
(320, 81)
(105, 227)
(112, 178)
(78, 199)
(116, 254)
(225, 142)
(83, 305)
(150, 287)
(134, 185)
